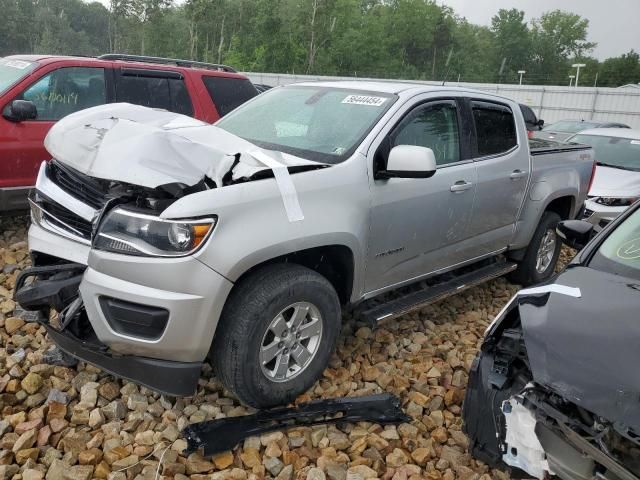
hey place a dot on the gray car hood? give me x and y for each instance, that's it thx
(148, 147)
(584, 347)
(615, 182)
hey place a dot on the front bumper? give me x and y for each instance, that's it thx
(600, 215)
(192, 293)
(171, 378)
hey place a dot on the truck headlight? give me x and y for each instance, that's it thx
(131, 233)
(616, 202)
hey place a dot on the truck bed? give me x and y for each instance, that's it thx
(539, 146)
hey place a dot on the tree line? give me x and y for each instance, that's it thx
(410, 39)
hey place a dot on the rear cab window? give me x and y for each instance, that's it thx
(227, 93)
(154, 89)
(495, 128)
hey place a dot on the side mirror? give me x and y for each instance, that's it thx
(574, 233)
(409, 161)
(21, 110)
(541, 123)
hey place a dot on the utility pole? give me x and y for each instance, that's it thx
(578, 66)
(571, 77)
(521, 73)
(504, 61)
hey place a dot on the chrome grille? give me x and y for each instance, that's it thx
(53, 216)
(76, 184)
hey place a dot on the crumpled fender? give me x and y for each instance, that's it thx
(583, 347)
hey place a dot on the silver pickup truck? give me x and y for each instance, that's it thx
(164, 242)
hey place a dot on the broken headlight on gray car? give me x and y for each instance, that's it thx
(132, 233)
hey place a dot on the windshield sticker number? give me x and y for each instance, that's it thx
(364, 100)
(17, 64)
(629, 250)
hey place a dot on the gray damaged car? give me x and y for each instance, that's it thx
(556, 385)
(164, 241)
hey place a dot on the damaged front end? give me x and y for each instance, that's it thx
(55, 286)
(530, 410)
(115, 170)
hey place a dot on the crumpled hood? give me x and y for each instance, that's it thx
(586, 349)
(615, 182)
(147, 147)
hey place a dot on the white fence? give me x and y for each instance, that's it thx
(549, 103)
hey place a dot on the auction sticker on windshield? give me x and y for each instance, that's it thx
(364, 100)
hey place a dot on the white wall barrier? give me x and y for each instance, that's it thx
(549, 102)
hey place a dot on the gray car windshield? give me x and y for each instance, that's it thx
(12, 71)
(569, 127)
(623, 153)
(316, 123)
(620, 252)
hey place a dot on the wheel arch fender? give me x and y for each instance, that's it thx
(338, 257)
(543, 198)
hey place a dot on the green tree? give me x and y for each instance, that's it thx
(511, 44)
(558, 36)
(620, 70)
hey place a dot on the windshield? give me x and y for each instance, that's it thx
(11, 71)
(614, 152)
(620, 252)
(317, 123)
(570, 127)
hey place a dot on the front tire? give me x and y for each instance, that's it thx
(540, 259)
(276, 334)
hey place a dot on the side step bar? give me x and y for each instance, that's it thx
(435, 293)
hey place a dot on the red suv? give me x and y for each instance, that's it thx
(38, 90)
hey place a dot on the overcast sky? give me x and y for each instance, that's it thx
(613, 24)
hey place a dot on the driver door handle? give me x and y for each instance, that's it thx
(461, 186)
(517, 174)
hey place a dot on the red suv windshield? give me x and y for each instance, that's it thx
(12, 71)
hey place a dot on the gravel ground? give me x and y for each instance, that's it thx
(76, 424)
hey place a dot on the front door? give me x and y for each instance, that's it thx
(55, 95)
(417, 225)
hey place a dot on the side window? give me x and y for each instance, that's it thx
(434, 126)
(227, 93)
(495, 128)
(65, 91)
(180, 100)
(167, 93)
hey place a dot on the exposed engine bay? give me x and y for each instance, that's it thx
(519, 417)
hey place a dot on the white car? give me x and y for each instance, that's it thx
(616, 184)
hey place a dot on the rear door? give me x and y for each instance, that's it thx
(165, 89)
(419, 225)
(55, 94)
(503, 162)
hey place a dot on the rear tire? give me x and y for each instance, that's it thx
(540, 259)
(276, 334)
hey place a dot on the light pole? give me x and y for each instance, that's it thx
(571, 77)
(578, 66)
(521, 73)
